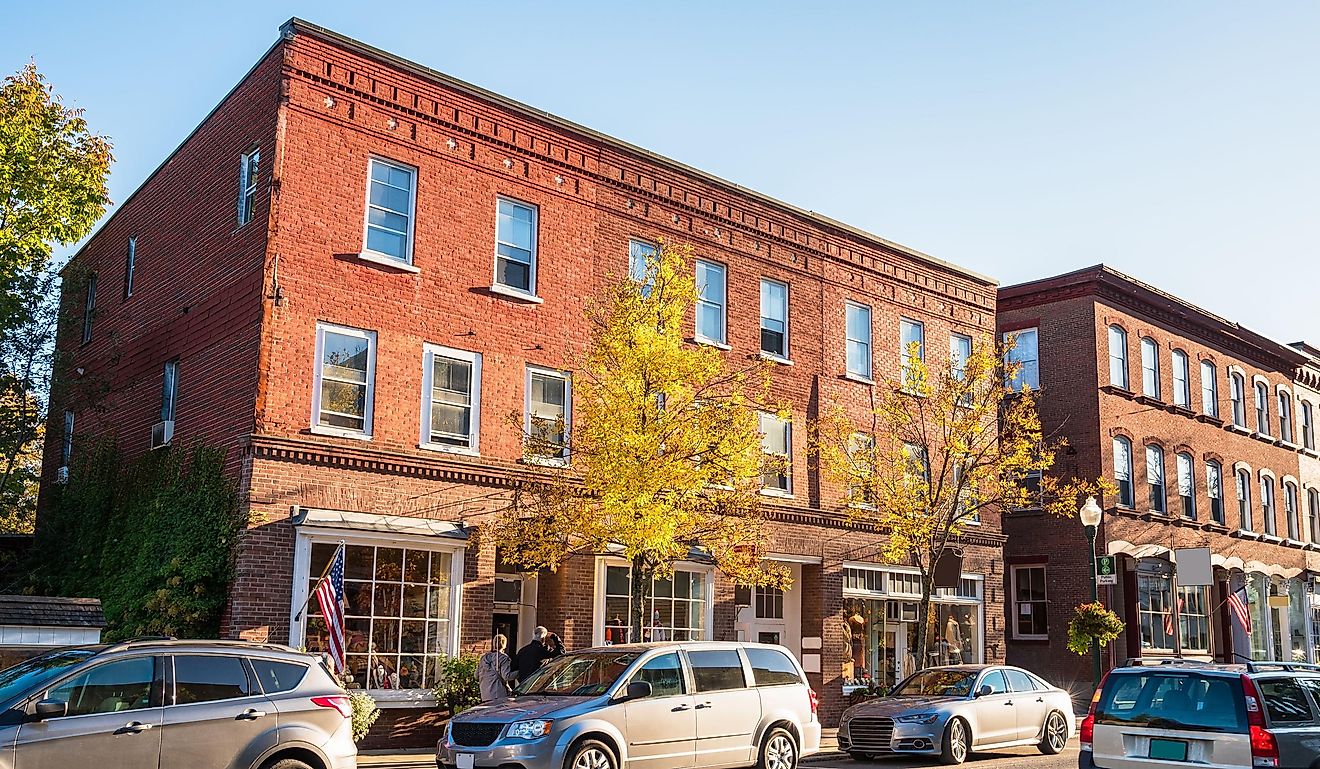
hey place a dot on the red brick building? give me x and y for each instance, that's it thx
(356, 267)
(1196, 419)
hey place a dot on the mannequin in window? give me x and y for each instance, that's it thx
(953, 637)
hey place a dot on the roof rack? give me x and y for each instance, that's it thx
(1287, 667)
(1145, 662)
(139, 639)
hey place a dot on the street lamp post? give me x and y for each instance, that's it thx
(1090, 513)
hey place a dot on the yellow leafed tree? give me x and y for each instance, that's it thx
(663, 453)
(940, 448)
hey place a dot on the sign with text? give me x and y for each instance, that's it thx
(1106, 570)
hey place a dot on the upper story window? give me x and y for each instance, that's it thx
(1026, 356)
(1155, 477)
(248, 165)
(1237, 397)
(1209, 389)
(1118, 357)
(1313, 510)
(391, 191)
(66, 440)
(345, 379)
(1290, 511)
(1267, 502)
(1150, 368)
(549, 414)
(169, 391)
(1244, 498)
(859, 339)
(711, 297)
(515, 246)
(1262, 408)
(1123, 471)
(861, 454)
(89, 308)
(776, 443)
(130, 267)
(1308, 426)
(1285, 416)
(912, 346)
(451, 387)
(774, 318)
(640, 255)
(960, 349)
(1187, 485)
(1182, 391)
(1214, 485)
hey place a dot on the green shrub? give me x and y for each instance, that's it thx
(365, 713)
(456, 685)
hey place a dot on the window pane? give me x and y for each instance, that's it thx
(109, 688)
(275, 676)
(771, 667)
(716, 670)
(204, 678)
(664, 674)
(1118, 357)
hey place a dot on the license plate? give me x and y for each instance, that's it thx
(1169, 750)
(465, 760)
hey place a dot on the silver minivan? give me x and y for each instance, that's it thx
(646, 706)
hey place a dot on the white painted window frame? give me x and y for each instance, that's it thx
(368, 406)
(429, 353)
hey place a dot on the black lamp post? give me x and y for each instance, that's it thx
(1090, 513)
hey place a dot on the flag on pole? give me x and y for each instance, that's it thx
(330, 596)
(1237, 604)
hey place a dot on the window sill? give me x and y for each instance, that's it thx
(1210, 419)
(775, 358)
(1182, 409)
(388, 261)
(1289, 445)
(1310, 453)
(1032, 638)
(1273, 539)
(544, 462)
(335, 432)
(711, 343)
(1290, 542)
(1121, 392)
(1245, 534)
(517, 294)
(862, 507)
(1151, 400)
(777, 494)
(859, 379)
(1234, 427)
(443, 449)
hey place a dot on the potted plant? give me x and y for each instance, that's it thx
(1092, 622)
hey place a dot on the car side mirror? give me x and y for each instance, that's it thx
(637, 690)
(984, 690)
(51, 709)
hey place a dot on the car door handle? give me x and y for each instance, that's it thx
(251, 714)
(1010, 702)
(1040, 699)
(704, 705)
(679, 709)
(133, 727)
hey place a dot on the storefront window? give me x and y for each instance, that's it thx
(396, 614)
(1296, 621)
(1315, 632)
(1258, 591)
(1155, 605)
(1194, 618)
(675, 607)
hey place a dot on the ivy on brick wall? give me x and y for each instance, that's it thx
(152, 537)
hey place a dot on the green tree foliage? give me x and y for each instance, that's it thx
(153, 538)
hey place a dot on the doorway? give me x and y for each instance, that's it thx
(506, 624)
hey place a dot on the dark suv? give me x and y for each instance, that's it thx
(174, 705)
(1258, 714)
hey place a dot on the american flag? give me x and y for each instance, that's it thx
(330, 595)
(1237, 604)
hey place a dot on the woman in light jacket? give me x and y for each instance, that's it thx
(495, 671)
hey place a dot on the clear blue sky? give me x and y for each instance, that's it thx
(1176, 141)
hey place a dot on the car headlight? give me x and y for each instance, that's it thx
(529, 730)
(918, 718)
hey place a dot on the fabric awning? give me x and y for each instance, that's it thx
(386, 524)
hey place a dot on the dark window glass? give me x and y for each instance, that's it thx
(110, 688)
(1019, 681)
(717, 669)
(1168, 700)
(771, 667)
(664, 674)
(995, 680)
(276, 677)
(205, 678)
(1284, 700)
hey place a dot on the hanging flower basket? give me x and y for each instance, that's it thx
(1092, 622)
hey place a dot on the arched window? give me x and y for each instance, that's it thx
(1150, 368)
(1123, 471)
(1155, 478)
(1237, 396)
(1285, 416)
(1182, 391)
(1187, 485)
(1308, 426)
(1290, 511)
(1244, 499)
(1313, 506)
(1214, 486)
(1118, 357)
(1267, 502)
(1262, 408)
(1209, 389)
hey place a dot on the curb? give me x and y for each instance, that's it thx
(825, 756)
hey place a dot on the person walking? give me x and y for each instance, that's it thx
(495, 671)
(543, 646)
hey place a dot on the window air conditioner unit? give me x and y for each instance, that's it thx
(162, 433)
(62, 474)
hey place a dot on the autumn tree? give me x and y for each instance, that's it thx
(941, 446)
(663, 451)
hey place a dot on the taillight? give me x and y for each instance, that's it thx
(1264, 748)
(813, 700)
(339, 702)
(1086, 731)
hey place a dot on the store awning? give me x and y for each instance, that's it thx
(386, 524)
(1121, 547)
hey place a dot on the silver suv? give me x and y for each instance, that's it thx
(1260, 714)
(662, 705)
(174, 705)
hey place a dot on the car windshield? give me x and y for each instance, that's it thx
(1173, 700)
(583, 674)
(34, 673)
(937, 683)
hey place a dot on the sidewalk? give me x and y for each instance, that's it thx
(424, 758)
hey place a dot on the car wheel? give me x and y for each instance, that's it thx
(858, 755)
(1055, 737)
(590, 754)
(778, 750)
(956, 742)
(287, 763)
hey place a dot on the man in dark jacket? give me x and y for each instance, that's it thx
(529, 658)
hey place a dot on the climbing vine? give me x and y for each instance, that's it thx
(152, 537)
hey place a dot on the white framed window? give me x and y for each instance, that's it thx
(1187, 485)
(910, 333)
(1209, 389)
(777, 444)
(549, 414)
(858, 334)
(960, 350)
(1290, 511)
(1194, 618)
(1262, 408)
(1150, 368)
(391, 199)
(1182, 391)
(249, 166)
(1267, 502)
(1214, 484)
(861, 454)
(1313, 512)
(89, 308)
(640, 255)
(1308, 426)
(1026, 354)
(774, 318)
(768, 602)
(345, 380)
(1118, 357)
(1123, 471)
(1030, 602)
(1285, 416)
(1243, 477)
(515, 246)
(1155, 478)
(711, 298)
(130, 267)
(169, 391)
(679, 608)
(1237, 398)
(451, 399)
(402, 607)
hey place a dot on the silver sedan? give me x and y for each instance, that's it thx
(952, 711)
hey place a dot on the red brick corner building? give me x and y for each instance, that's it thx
(356, 267)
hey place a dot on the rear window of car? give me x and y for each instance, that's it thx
(771, 667)
(207, 678)
(1173, 700)
(276, 676)
(1285, 701)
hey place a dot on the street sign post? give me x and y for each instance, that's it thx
(1106, 570)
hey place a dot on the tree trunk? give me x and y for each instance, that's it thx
(640, 582)
(922, 654)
